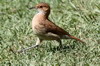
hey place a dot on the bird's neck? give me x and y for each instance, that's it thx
(43, 14)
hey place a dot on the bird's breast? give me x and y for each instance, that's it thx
(37, 27)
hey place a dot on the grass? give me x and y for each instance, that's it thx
(80, 18)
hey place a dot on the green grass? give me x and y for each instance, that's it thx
(80, 18)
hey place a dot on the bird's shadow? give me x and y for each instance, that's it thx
(63, 48)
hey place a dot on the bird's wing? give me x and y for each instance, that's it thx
(53, 28)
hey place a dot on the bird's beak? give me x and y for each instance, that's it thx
(32, 8)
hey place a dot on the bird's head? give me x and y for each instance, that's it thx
(42, 7)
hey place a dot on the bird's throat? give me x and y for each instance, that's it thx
(42, 15)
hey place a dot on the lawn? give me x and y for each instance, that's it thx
(81, 18)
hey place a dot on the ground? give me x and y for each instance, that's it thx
(81, 18)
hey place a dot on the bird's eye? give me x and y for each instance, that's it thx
(41, 6)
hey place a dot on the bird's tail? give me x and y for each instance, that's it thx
(76, 39)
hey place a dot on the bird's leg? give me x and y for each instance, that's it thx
(33, 46)
(60, 43)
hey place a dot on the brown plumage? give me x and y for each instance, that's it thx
(45, 29)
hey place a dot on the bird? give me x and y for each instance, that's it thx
(45, 29)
